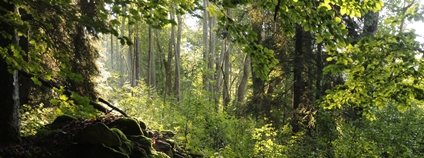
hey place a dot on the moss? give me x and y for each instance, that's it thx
(168, 133)
(128, 126)
(143, 142)
(171, 142)
(60, 121)
(126, 146)
(98, 134)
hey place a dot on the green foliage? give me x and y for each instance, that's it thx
(391, 74)
(34, 118)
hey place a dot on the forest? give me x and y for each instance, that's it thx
(211, 78)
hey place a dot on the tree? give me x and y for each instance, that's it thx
(9, 106)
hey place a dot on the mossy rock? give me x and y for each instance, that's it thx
(126, 146)
(60, 121)
(98, 134)
(139, 152)
(171, 142)
(168, 133)
(128, 126)
(143, 125)
(162, 145)
(144, 142)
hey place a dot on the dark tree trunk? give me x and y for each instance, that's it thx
(302, 90)
(9, 112)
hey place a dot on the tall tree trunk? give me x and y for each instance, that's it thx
(211, 58)
(225, 88)
(137, 55)
(226, 51)
(9, 109)
(130, 59)
(177, 58)
(302, 92)
(241, 90)
(111, 51)
(205, 44)
(121, 54)
(24, 82)
(151, 60)
(168, 63)
(256, 20)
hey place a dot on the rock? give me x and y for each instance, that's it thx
(126, 146)
(143, 125)
(128, 126)
(167, 134)
(98, 134)
(163, 146)
(144, 143)
(60, 121)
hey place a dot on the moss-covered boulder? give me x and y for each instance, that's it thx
(167, 133)
(128, 126)
(163, 146)
(143, 125)
(126, 146)
(60, 121)
(144, 143)
(98, 134)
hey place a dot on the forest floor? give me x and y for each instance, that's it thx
(53, 141)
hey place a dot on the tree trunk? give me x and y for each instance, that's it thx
(256, 20)
(120, 55)
(177, 58)
(211, 59)
(137, 56)
(24, 82)
(225, 88)
(241, 90)
(168, 63)
(111, 52)
(302, 92)
(130, 59)
(205, 44)
(151, 60)
(9, 106)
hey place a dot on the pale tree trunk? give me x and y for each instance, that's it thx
(177, 58)
(205, 44)
(151, 60)
(241, 90)
(212, 54)
(136, 61)
(9, 109)
(161, 55)
(226, 51)
(168, 63)
(111, 51)
(121, 59)
(117, 56)
(130, 59)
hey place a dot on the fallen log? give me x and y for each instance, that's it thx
(68, 92)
